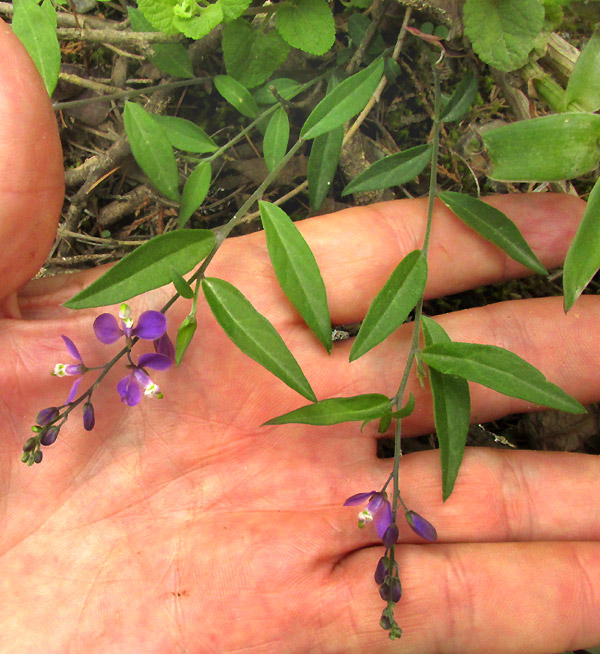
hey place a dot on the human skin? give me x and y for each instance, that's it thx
(182, 525)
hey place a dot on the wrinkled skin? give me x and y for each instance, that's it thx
(184, 526)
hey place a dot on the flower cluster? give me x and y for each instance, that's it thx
(152, 325)
(379, 511)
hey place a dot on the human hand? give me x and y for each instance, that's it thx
(184, 526)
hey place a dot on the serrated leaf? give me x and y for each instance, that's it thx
(306, 24)
(237, 95)
(185, 135)
(277, 136)
(322, 163)
(451, 411)
(549, 148)
(583, 88)
(296, 270)
(146, 268)
(160, 14)
(170, 58)
(493, 225)
(500, 370)
(393, 303)
(194, 191)
(180, 284)
(37, 32)
(393, 170)
(196, 27)
(583, 257)
(185, 333)
(461, 100)
(503, 32)
(345, 101)
(233, 9)
(253, 334)
(251, 55)
(152, 150)
(287, 88)
(337, 409)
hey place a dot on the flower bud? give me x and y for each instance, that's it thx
(421, 526)
(381, 571)
(29, 444)
(89, 419)
(38, 456)
(390, 536)
(25, 457)
(50, 435)
(385, 622)
(46, 416)
(391, 590)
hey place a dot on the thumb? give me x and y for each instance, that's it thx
(32, 189)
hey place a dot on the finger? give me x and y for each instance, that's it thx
(31, 196)
(521, 598)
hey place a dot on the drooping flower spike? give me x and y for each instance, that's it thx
(377, 510)
(151, 326)
(71, 369)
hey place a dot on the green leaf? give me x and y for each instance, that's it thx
(160, 14)
(500, 370)
(391, 171)
(152, 150)
(493, 225)
(170, 58)
(583, 89)
(344, 102)
(251, 55)
(406, 410)
(237, 95)
(146, 268)
(185, 333)
(276, 138)
(503, 32)
(393, 303)
(461, 100)
(253, 334)
(306, 24)
(194, 191)
(337, 409)
(195, 27)
(37, 32)
(287, 88)
(583, 257)
(322, 164)
(296, 270)
(233, 9)
(549, 148)
(180, 284)
(451, 411)
(185, 135)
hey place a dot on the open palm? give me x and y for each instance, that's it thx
(182, 525)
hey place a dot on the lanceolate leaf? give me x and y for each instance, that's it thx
(253, 334)
(194, 191)
(287, 88)
(152, 150)
(185, 333)
(493, 225)
(344, 102)
(501, 370)
(549, 148)
(583, 257)
(147, 267)
(583, 89)
(180, 284)
(451, 411)
(185, 135)
(322, 164)
(237, 95)
(393, 303)
(297, 270)
(391, 171)
(336, 410)
(276, 138)
(461, 100)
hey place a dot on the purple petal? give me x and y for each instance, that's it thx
(420, 526)
(390, 536)
(141, 377)
(359, 498)
(107, 328)
(129, 390)
(74, 369)
(49, 436)
(375, 503)
(72, 348)
(73, 391)
(154, 361)
(383, 518)
(151, 325)
(47, 415)
(164, 345)
(381, 570)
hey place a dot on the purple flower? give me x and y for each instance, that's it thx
(62, 369)
(151, 326)
(421, 526)
(378, 509)
(137, 381)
